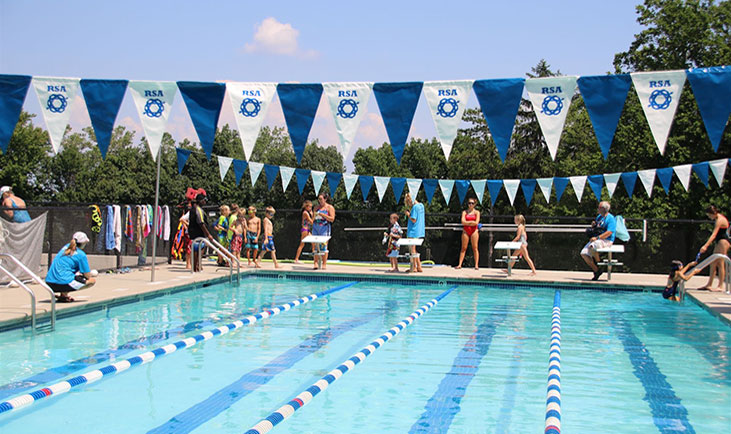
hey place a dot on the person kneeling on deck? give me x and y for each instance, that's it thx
(70, 270)
(605, 227)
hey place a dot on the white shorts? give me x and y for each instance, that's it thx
(595, 245)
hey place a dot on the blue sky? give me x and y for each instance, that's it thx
(294, 41)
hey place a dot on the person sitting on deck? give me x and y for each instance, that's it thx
(606, 226)
(69, 270)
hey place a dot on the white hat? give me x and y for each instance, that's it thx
(80, 238)
(5, 189)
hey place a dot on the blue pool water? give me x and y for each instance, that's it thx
(476, 362)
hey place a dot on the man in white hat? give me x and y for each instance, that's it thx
(14, 207)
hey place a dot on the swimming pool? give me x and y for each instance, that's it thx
(475, 362)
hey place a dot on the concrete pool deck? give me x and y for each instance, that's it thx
(112, 289)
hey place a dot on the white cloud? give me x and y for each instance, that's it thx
(271, 36)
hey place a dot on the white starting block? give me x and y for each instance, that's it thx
(409, 242)
(508, 259)
(610, 262)
(316, 239)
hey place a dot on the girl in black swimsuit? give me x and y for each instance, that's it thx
(720, 237)
(677, 273)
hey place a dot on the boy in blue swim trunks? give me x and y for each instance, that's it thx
(268, 244)
(253, 230)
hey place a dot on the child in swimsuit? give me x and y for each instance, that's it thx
(394, 234)
(253, 230)
(268, 244)
(522, 236)
(306, 228)
(677, 273)
(237, 240)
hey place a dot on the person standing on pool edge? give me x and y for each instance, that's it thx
(322, 225)
(720, 237)
(415, 228)
(198, 227)
(62, 275)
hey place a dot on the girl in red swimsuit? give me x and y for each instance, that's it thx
(470, 232)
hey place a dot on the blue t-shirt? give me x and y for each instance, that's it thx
(608, 223)
(416, 229)
(64, 267)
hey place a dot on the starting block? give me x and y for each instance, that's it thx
(316, 239)
(610, 262)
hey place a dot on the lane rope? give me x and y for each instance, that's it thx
(553, 392)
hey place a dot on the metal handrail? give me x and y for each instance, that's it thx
(218, 248)
(706, 262)
(29, 291)
(38, 280)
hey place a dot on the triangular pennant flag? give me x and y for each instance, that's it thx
(56, 96)
(683, 174)
(447, 101)
(203, 101)
(430, 187)
(595, 183)
(712, 91)
(348, 103)
(271, 172)
(604, 97)
(349, 181)
(414, 185)
(381, 185)
(629, 179)
(528, 186)
(103, 99)
(302, 176)
(511, 187)
(446, 185)
(255, 171)
(153, 100)
(397, 185)
(648, 180)
(224, 163)
(611, 180)
(317, 178)
(182, 155)
(578, 183)
(545, 184)
(701, 169)
(366, 182)
(333, 179)
(397, 103)
(718, 167)
(239, 168)
(659, 94)
(551, 98)
(499, 101)
(250, 103)
(494, 186)
(479, 186)
(299, 104)
(665, 175)
(463, 187)
(13, 89)
(286, 176)
(560, 183)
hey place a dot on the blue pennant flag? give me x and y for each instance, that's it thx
(596, 182)
(397, 184)
(712, 90)
(529, 187)
(559, 184)
(302, 176)
(239, 169)
(494, 186)
(204, 106)
(701, 169)
(430, 186)
(366, 182)
(271, 173)
(13, 89)
(182, 155)
(629, 179)
(463, 186)
(604, 97)
(397, 103)
(499, 100)
(333, 180)
(665, 176)
(103, 99)
(299, 104)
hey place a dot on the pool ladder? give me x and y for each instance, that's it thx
(218, 248)
(34, 327)
(706, 262)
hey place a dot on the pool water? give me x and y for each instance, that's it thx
(476, 362)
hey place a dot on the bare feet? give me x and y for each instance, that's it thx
(458, 267)
(532, 273)
(719, 289)
(278, 266)
(477, 268)
(297, 261)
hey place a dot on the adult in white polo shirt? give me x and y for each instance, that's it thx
(70, 270)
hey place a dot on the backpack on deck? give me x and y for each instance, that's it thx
(622, 232)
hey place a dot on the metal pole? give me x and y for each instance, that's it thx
(154, 213)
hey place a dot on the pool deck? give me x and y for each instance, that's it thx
(113, 289)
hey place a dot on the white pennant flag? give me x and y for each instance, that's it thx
(250, 102)
(659, 94)
(546, 184)
(446, 186)
(381, 185)
(718, 168)
(683, 173)
(348, 103)
(55, 96)
(511, 187)
(578, 183)
(224, 163)
(153, 100)
(317, 178)
(255, 171)
(447, 101)
(414, 185)
(611, 180)
(648, 180)
(551, 99)
(479, 186)
(286, 175)
(349, 181)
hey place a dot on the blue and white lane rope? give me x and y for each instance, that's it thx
(95, 375)
(287, 410)
(553, 392)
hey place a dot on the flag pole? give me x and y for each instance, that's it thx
(156, 216)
